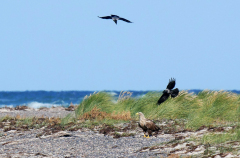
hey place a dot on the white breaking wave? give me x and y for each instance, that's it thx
(10, 106)
(112, 93)
(37, 105)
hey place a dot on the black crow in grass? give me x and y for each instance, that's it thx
(169, 91)
(115, 18)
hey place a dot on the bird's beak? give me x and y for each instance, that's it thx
(137, 113)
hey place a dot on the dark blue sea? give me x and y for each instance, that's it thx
(37, 99)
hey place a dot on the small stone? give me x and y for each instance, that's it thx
(12, 131)
(229, 156)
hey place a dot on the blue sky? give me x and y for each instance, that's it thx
(63, 45)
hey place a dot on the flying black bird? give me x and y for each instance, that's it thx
(169, 91)
(115, 18)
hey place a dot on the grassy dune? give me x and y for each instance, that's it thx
(207, 108)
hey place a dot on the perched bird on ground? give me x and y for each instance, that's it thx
(115, 18)
(169, 91)
(147, 125)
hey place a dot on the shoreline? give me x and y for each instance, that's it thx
(27, 112)
(100, 140)
(83, 142)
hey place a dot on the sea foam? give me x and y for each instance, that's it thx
(37, 105)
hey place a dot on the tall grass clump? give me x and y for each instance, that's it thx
(124, 102)
(180, 107)
(204, 109)
(145, 104)
(218, 107)
(100, 100)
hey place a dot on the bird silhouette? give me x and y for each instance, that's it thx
(169, 91)
(115, 18)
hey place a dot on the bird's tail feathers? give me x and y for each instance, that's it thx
(174, 92)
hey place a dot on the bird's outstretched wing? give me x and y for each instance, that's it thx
(171, 83)
(163, 98)
(125, 20)
(105, 17)
(174, 92)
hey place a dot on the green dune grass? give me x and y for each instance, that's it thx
(206, 108)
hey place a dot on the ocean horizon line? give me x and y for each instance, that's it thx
(111, 90)
(44, 98)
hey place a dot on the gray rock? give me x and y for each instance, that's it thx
(75, 144)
